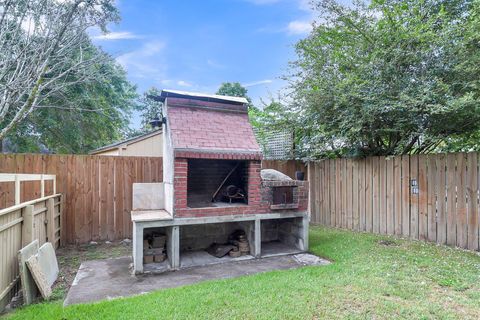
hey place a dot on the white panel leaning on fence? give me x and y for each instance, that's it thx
(22, 223)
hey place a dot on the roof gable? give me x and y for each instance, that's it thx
(210, 130)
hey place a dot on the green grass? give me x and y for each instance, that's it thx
(371, 277)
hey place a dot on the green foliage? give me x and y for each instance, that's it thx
(45, 53)
(272, 121)
(88, 115)
(234, 89)
(392, 77)
(149, 109)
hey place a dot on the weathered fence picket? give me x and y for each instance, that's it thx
(426, 197)
(97, 190)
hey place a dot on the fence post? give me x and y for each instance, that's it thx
(17, 189)
(51, 221)
(42, 186)
(61, 208)
(28, 225)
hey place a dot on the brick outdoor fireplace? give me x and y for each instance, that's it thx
(213, 189)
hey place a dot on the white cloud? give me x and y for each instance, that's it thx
(299, 27)
(145, 62)
(305, 5)
(180, 83)
(214, 64)
(183, 83)
(296, 27)
(121, 35)
(256, 83)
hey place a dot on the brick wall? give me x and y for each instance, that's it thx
(180, 183)
(209, 133)
(300, 194)
(257, 203)
(205, 176)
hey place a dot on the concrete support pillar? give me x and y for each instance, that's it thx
(173, 247)
(137, 248)
(258, 239)
(250, 232)
(304, 232)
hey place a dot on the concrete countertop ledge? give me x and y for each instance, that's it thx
(150, 215)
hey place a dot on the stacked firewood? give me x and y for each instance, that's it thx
(240, 241)
(154, 248)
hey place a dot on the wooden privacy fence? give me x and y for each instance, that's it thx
(425, 197)
(18, 178)
(20, 224)
(97, 190)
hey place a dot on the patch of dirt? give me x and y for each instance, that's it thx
(387, 243)
(71, 257)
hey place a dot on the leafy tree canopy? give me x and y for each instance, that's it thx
(234, 89)
(388, 77)
(58, 91)
(90, 115)
(150, 108)
(46, 52)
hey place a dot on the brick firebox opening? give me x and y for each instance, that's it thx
(216, 183)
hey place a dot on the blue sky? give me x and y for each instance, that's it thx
(197, 45)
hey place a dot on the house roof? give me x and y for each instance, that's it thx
(207, 129)
(115, 145)
(200, 96)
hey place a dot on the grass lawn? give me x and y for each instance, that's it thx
(371, 277)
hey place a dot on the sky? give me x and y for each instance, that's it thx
(197, 45)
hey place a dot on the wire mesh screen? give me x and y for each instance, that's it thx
(275, 144)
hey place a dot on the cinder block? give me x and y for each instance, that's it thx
(147, 259)
(159, 241)
(159, 257)
(151, 252)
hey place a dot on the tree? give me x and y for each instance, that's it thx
(102, 115)
(44, 53)
(234, 89)
(392, 77)
(150, 108)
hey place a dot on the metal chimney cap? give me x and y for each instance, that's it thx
(156, 122)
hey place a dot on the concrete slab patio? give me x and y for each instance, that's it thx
(111, 278)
